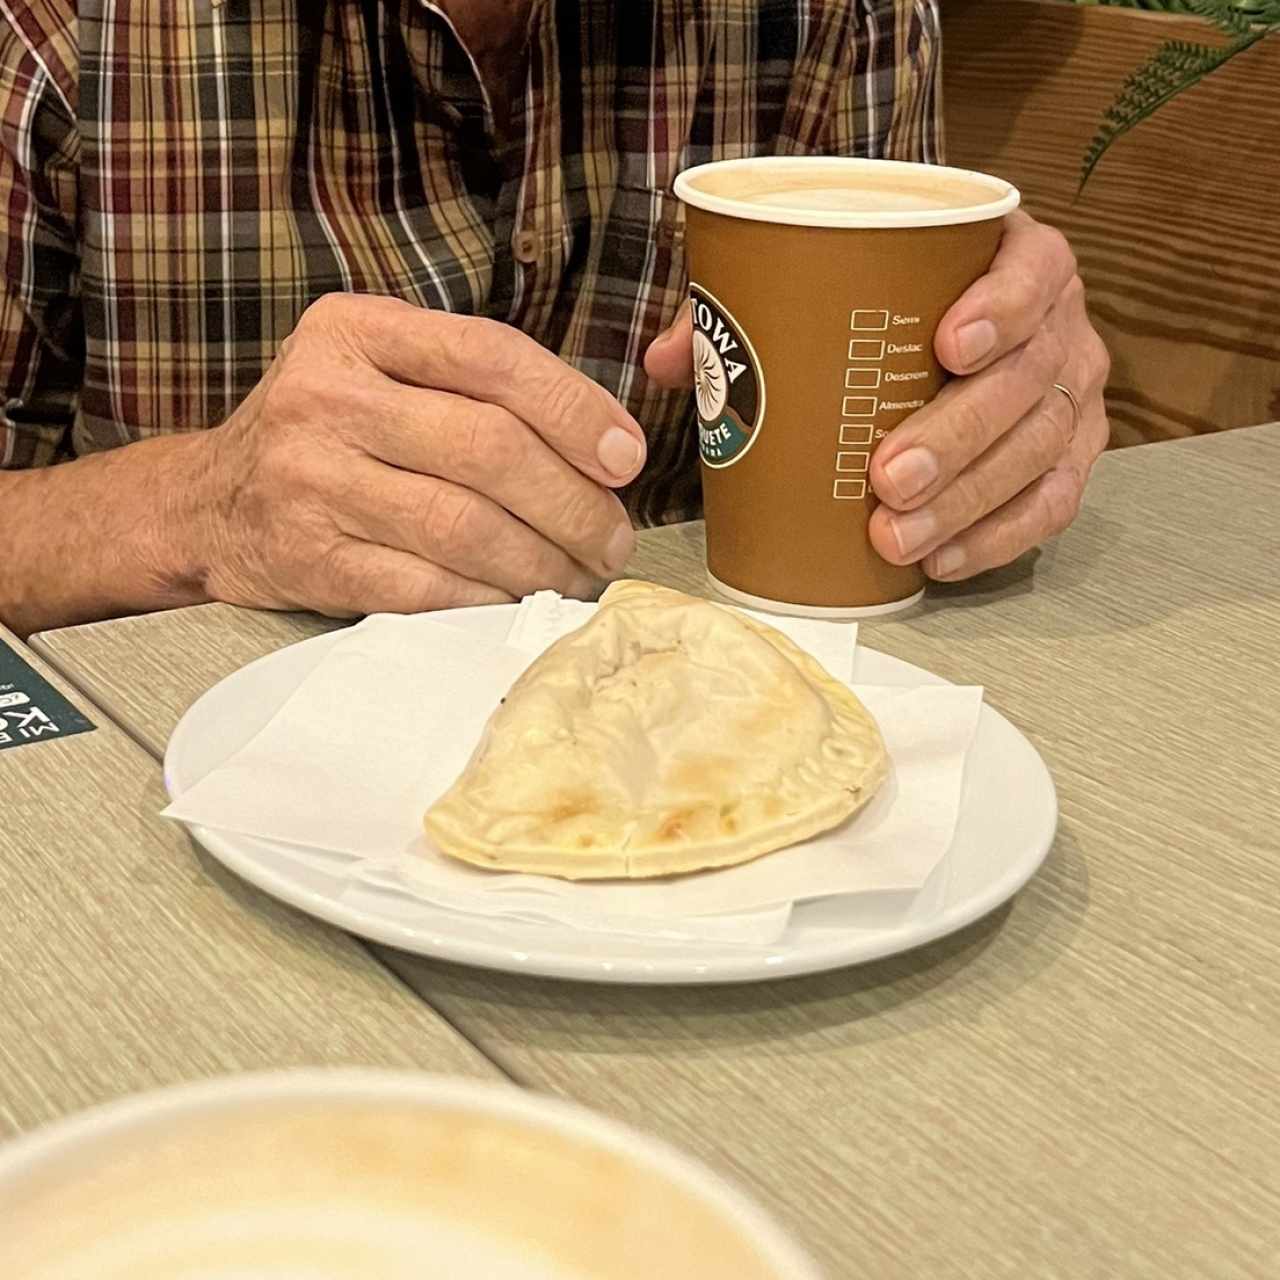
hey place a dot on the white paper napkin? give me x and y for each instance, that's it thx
(419, 691)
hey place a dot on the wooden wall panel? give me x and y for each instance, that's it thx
(1178, 233)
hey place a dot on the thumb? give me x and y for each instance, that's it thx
(669, 360)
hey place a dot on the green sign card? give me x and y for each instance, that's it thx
(31, 709)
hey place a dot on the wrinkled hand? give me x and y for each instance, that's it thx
(397, 459)
(990, 468)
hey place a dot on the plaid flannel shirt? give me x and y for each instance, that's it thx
(179, 179)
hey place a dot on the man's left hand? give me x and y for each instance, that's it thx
(997, 462)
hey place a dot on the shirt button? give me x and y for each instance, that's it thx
(526, 247)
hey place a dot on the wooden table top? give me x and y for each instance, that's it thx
(129, 960)
(1084, 1083)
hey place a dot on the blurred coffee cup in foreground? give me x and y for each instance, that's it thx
(377, 1175)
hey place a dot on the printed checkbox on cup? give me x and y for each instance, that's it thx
(849, 489)
(877, 321)
(866, 349)
(861, 379)
(856, 432)
(855, 462)
(859, 407)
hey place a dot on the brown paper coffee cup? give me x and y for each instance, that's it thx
(817, 285)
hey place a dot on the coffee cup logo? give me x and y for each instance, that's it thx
(728, 382)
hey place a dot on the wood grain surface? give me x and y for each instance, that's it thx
(1176, 233)
(1081, 1085)
(127, 960)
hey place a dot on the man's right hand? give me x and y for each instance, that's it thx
(395, 459)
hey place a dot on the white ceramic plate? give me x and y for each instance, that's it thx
(1008, 814)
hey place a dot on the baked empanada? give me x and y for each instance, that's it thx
(667, 735)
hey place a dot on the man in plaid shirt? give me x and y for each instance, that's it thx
(361, 305)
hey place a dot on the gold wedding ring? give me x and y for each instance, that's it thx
(1075, 409)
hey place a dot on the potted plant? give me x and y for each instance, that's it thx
(1177, 65)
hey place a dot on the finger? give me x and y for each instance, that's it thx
(669, 360)
(1016, 460)
(1040, 511)
(485, 360)
(1088, 370)
(1007, 306)
(485, 448)
(919, 459)
(361, 577)
(459, 530)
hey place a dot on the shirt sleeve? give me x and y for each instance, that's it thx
(41, 328)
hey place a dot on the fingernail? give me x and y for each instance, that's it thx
(948, 560)
(976, 341)
(618, 550)
(618, 451)
(912, 472)
(914, 530)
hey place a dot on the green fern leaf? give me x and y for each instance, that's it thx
(1234, 19)
(1174, 67)
(1227, 14)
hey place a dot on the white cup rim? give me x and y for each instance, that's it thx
(1004, 196)
(24, 1154)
